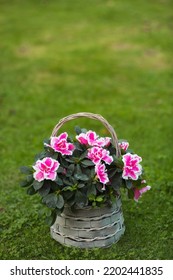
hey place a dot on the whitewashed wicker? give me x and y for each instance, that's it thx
(90, 227)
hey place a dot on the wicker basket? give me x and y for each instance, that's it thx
(89, 227)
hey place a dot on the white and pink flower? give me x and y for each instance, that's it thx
(100, 170)
(103, 142)
(98, 154)
(92, 139)
(60, 144)
(124, 145)
(88, 138)
(132, 169)
(45, 169)
(139, 192)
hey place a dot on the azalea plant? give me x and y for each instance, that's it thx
(83, 171)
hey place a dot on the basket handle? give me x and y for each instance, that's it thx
(94, 117)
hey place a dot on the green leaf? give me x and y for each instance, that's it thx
(54, 187)
(78, 169)
(129, 184)
(50, 200)
(77, 129)
(84, 155)
(118, 161)
(40, 155)
(91, 197)
(99, 187)
(69, 173)
(68, 195)
(80, 199)
(94, 204)
(87, 163)
(81, 185)
(76, 155)
(91, 190)
(63, 162)
(112, 172)
(71, 167)
(29, 178)
(50, 219)
(37, 185)
(59, 181)
(71, 160)
(26, 170)
(99, 198)
(78, 146)
(67, 182)
(53, 155)
(45, 189)
(71, 201)
(60, 201)
(82, 177)
(68, 188)
(25, 183)
(116, 181)
(61, 170)
(31, 191)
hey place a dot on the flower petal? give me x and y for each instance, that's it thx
(48, 161)
(82, 138)
(38, 176)
(91, 137)
(101, 173)
(138, 192)
(55, 166)
(124, 145)
(51, 176)
(63, 136)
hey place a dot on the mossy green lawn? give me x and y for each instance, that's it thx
(108, 57)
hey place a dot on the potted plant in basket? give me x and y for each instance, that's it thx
(86, 171)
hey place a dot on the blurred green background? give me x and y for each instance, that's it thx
(110, 57)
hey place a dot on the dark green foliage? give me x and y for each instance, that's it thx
(37, 185)
(26, 170)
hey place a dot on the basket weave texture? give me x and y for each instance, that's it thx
(89, 227)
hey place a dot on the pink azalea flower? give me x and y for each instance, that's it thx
(103, 142)
(88, 138)
(82, 138)
(97, 154)
(139, 192)
(60, 144)
(124, 145)
(132, 169)
(91, 138)
(45, 169)
(100, 170)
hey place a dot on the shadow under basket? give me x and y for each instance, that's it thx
(89, 227)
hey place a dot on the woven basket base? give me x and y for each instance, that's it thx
(88, 227)
(102, 243)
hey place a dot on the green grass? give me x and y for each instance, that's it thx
(108, 57)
